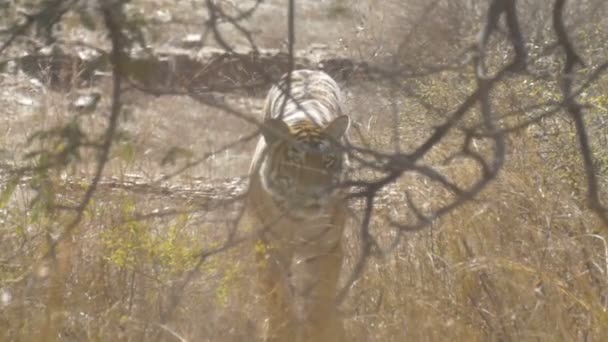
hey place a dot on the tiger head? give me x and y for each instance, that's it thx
(304, 164)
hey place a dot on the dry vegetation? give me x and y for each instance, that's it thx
(525, 260)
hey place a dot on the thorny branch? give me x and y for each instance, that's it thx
(114, 27)
(402, 163)
(291, 36)
(117, 39)
(48, 16)
(575, 110)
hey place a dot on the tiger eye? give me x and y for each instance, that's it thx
(294, 153)
(323, 146)
(330, 160)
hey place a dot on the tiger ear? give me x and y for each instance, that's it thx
(338, 127)
(274, 129)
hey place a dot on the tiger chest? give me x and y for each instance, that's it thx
(276, 224)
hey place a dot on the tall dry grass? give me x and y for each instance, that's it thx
(523, 261)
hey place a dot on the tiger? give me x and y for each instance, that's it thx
(298, 208)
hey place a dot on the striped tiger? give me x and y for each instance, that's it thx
(297, 207)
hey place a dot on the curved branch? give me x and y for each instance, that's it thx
(575, 110)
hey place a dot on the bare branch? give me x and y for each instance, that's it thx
(575, 110)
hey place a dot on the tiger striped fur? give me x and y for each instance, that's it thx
(297, 207)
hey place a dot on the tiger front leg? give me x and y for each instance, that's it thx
(314, 281)
(273, 280)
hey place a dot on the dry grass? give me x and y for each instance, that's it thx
(524, 261)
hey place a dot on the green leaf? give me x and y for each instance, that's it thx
(127, 152)
(8, 191)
